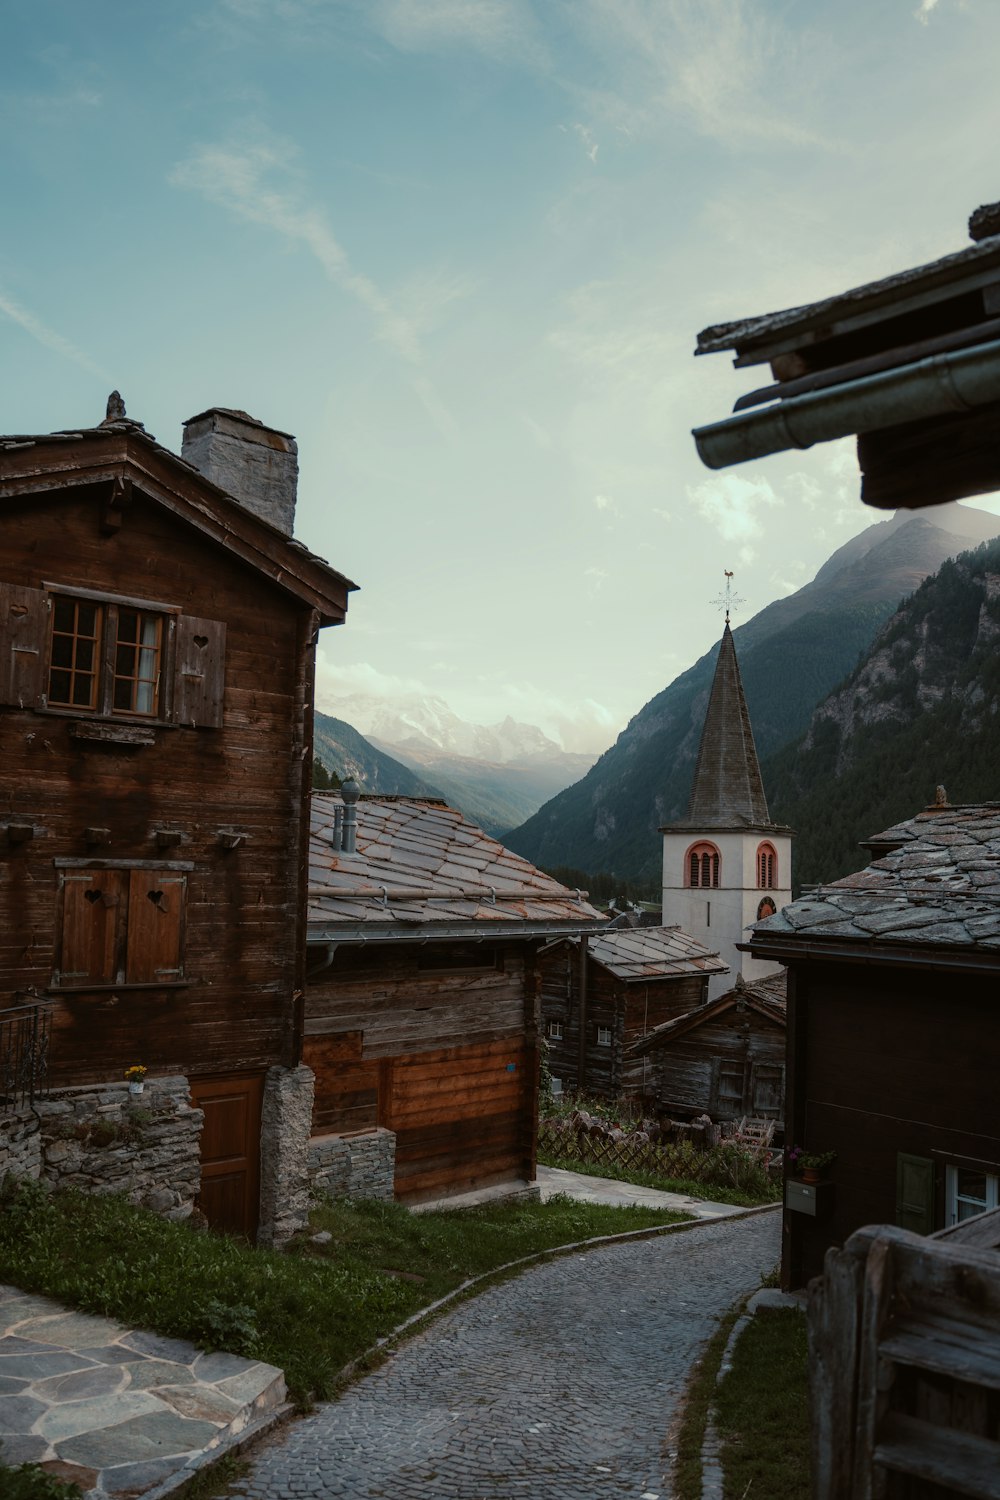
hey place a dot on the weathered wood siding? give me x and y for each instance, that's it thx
(883, 1062)
(446, 1057)
(725, 1068)
(629, 1011)
(233, 1011)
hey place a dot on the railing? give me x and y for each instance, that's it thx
(24, 1055)
(904, 1346)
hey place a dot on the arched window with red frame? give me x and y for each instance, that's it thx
(702, 865)
(767, 867)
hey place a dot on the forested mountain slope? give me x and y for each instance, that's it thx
(921, 710)
(344, 750)
(791, 655)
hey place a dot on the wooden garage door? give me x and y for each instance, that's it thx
(230, 1150)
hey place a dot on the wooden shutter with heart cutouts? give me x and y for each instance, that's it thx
(199, 672)
(155, 927)
(93, 928)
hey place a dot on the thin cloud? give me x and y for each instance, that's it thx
(47, 337)
(501, 29)
(587, 138)
(733, 506)
(239, 180)
(923, 13)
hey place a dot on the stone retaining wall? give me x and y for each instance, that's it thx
(20, 1145)
(104, 1140)
(359, 1165)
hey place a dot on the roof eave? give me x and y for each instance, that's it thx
(425, 932)
(789, 949)
(954, 382)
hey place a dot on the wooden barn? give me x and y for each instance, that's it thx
(893, 1046)
(725, 1058)
(157, 635)
(601, 994)
(421, 1010)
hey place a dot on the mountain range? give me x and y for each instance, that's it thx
(792, 655)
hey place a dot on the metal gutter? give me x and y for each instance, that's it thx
(943, 383)
(422, 932)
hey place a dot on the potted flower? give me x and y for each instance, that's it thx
(135, 1077)
(811, 1166)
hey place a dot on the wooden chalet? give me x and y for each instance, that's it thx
(893, 1047)
(725, 1058)
(601, 994)
(157, 634)
(421, 1008)
(910, 364)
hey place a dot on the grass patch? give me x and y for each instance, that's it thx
(310, 1310)
(708, 1191)
(697, 1405)
(762, 1409)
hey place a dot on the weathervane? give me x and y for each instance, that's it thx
(728, 600)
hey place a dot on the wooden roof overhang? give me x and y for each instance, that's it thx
(788, 949)
(95, 459)
(420, 931)
(909, 364)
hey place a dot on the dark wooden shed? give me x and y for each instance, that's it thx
(422, 995)
(893, 1047)
(157, 636)
(602, 995)
(725, 1058)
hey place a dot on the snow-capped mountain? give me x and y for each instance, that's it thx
(428, 724)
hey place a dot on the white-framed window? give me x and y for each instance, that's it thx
(604, 1036)
(554, 1031)
(557, 1086)
(969, 1191)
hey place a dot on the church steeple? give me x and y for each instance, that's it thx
(727, 790)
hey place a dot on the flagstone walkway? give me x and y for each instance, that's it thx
(114, 1409)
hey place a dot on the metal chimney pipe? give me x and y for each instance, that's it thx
(350, 792)
(337, 831)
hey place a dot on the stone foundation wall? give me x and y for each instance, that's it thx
(361, 1165)
(20, 1145)
(104, 1140)
(285, 1125)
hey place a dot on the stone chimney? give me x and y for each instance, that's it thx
(255, 464)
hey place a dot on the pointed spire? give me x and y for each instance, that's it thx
(727, 790)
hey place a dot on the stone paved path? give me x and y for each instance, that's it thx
(562, 1384)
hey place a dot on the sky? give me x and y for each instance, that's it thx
(461, 249)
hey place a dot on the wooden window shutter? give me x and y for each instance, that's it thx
(92, 923)
(155, 927)
(24, 633)
(914, 1193)
(199, 672)
(767, 1089)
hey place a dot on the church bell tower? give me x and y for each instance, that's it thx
(725, 865)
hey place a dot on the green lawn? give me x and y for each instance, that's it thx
(310, 1310)
(762, 1410)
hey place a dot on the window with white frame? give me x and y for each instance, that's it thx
(554, 1031)
(969, 1191)
(604, 1036)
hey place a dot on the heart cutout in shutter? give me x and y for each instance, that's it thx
(201, 641)
(156, 897)
(93, 896)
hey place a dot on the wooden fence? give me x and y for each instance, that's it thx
(904, 1354)
(680, 1159)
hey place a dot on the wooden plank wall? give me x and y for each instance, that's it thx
(235, 1012)
(687, 1069)
(446, 1058)
(887, 1062)
(629, 1010)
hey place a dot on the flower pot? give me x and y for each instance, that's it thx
(809, 1174)
(136, 1087)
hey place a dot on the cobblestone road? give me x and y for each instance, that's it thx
(560, 1385)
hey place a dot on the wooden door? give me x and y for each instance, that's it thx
(230, 1150)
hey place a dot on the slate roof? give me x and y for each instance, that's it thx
(939, 889)
(727, 791)
(644, 953)
(765, 996)
(421, 870)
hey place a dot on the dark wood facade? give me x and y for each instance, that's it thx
(616, 1013)
(437, 1043)
(725, 1059)
(155, 796)
(895, 1069)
